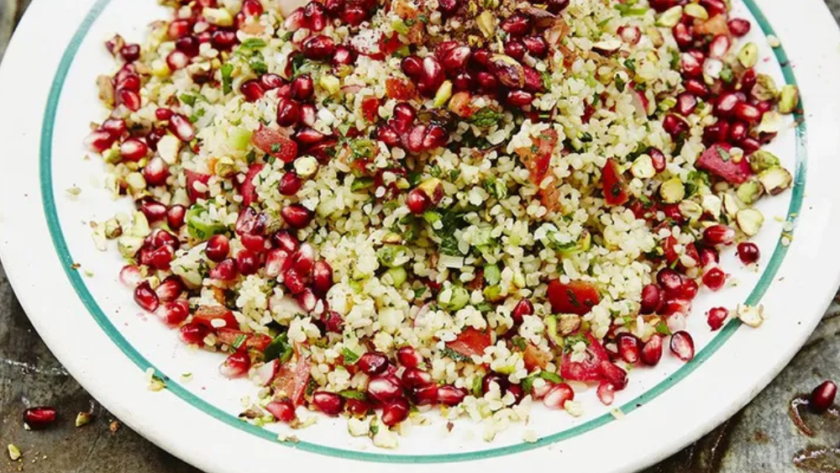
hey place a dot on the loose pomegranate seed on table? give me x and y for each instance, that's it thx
(366, 213)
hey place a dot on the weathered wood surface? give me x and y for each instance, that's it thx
(759, 439)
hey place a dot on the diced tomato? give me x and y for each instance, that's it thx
(577, 297)
(646, 211)
(192, 178)
(717, 160)
(460, 104)
(205, 315)
(535, 358)
(590, 368)
(537, 160)
(470, 342)
(389, 45)
(250, 341)
(292, 379)
(671, 254)
(399, 89)
(613, 185)
(276, 144)
(248, 189)
(713, 26)
(370, 109)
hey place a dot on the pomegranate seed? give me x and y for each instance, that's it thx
(322, 277)
(174, 312)
(308, 136)
(223, 40)
(354, 15)
(682, 345)
(296, 215)
(194, 333)
(315, 16)
(179, 29)
(690, 66)
(726, 104)
(373, 363)
(302, 87)
(303, 260)
(116, 127)
(343, 56)
(708, 257)
(383, 389)
(737, 132)
(450, 395)
(746, 112)
(748, 252)
(750, 145)
(412, 66)
(716, 133)
(252, 8)
(334, 7)
(686, 103)
(464, 81)
(517, 24)
(294, 21)
(181, 127)
(403, 117)
(716, 317)
(447, 6)
(218, 248)
(669, 280)
(739, 27)
(425, 394)
(145, 297)
(39, 417)
(557, 396)
(688, 291)
(718, 235)
(629, 347)
(387, 135)
(274, 262)
(318, 48)
(294, 281)
(175, 216)
(652, 350)
(129, 98)
(630, 34)
(271, 81)
(252, 90)
(519, 98)
(747, 82)
(614, 374)
(357, 407)
(683, 35)
(333, 322)
(696, 87)
(714, 7)
(163, 114)
(606, 393)
(456, 58)
(431, 76)
(289, 184)
(285, 241)
(822, 397)
(413, 378)
(288, 112)
(515, 49)
(177, 60)
(719, 46)
(308, 117)
(307, 300)
(674, 125)
(328, 403)
(161, 257)
(133, 149)
(130, 276)
(435, 137)
(659, 161)
(247, 262)
(236, 365)
(409, 357)
(130, 52)
(170, 289)
(395, 412)
(487, 81)
(494, 378)
(651, 299)
(156, 172)
(522, 308)
(418, 202)
(714, 278)
(539, 393)
(283, 411)
(129, 82)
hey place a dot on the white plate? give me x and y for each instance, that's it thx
(48, 97)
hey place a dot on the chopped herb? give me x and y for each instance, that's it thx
(275, 148)
(630, 64)
(188, 99)
(486, 117)
(258, 66)
(662, 328)
(478, 386)
(724, 155)
(240, 339)
(227, 71)
(520, 343)
(352, 394)
(528, 384)
(453, 175)
(418, 293)
(311, 386)
(435, 171)
(350, 357)
(619, 83)
(585, 137)
(454, 355)
(253, 43)
(279, 349)
(553, 377)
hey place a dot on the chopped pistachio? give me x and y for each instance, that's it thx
(443, 94)
(642, 167)
(218, 16)
(670, 17)
(730, 205)
(140, 225)
(712, 205)
(453, 298)
(764, 88)
(129, 245)
(691, 210)
(672, 190)
(487, 23)
(330, 83)
(398, 275)
(748, 56)
(14, 452)
(113, 229)
(607, 46)
(655, 36)
(750, 191)
(225, 167)
(82, 419)
(762, 160)
(788, 99)
(695, 10)
(752, 316)
(749, 221)
(306, 166)
(771, 122)
(775, 180)
(136, 181)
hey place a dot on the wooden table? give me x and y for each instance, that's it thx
(760, 439)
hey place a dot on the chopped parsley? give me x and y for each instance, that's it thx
(350, 357)
(352, 394)
(486, 117)
(227, 80)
